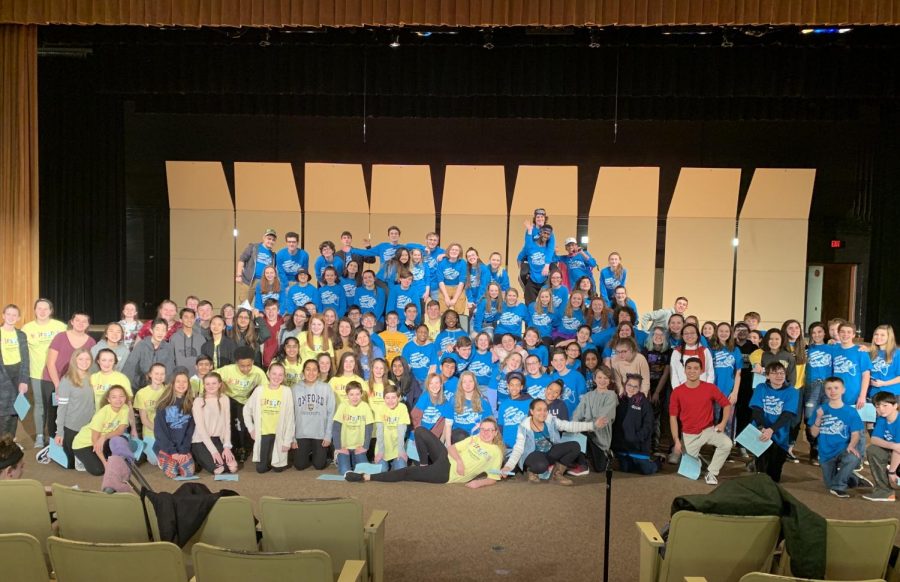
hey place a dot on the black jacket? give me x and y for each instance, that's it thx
(180, 514)
(634, 425)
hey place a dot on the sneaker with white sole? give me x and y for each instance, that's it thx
(43, 456)
(839, 494)
(711, 479)
(880, 497)
(39, 442)
(578, 471)
(79, 466)
(863, 481)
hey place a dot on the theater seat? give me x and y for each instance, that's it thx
(720, 547)
(91, 516)
(212, 564)
(333, 525)
(23, 505)
(140, 562)
(22, 558)
(762, 577)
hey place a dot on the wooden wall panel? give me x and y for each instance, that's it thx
(201, 240)
(335, 201)
(699, 233)
(474, 209)
(623, 219)
(771, 275)
(402, 196)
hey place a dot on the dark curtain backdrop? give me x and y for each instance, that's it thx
(139, 97)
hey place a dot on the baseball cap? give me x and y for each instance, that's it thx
(271, 232)
(518, 375)
(571, 241)
(302, 272)
(540, 212)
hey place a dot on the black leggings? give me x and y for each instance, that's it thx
(563, 453)
(47, 392)
(68, 438)
(597, 456)
(310, 453)
(203, 457)
(266, 449)
(771, 462)
(91, 461)
(240, 436)
(429, 447)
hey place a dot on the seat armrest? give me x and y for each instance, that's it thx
(352, 571)
(374, 532)
(650, 535)
(650, 543)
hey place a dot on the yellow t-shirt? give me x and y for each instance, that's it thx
(9, 343)
(353, 421)
(293, 373)
(196, 385)
(39, 339)
(478, 457)
(146, 399)
(391, 419)
(307, 354)
(339, 385)
(393, 344)
(104, 421)
(269, 409)
(101, 382)
(375, 395)
(434, 328)
(239, 386)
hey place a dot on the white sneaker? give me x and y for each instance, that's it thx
(79, 466)
(711, 479)
(39, 442)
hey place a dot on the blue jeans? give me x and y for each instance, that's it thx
(630, 464)
(397, 463)
(838, 472)
(813, 396)
(344, 461)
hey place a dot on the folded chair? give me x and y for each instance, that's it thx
(22, 558)
(140, 562)
(91, 516)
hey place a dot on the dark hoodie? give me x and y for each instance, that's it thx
(634, 425)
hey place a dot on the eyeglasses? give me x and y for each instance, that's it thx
(488, 429)
(778, 372)
(622, 352)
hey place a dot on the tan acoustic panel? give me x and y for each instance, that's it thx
(474, 209)
(553, 188)
(771, 276)
(623, 219)
(699, 233)
(197, 186)
(201, 253)
(335, 201)
(265, 197)
(402, 196)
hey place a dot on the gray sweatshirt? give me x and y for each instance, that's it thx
(594, 405)
(145, 355)
(76, 405)
(314, 407)
(122, 353)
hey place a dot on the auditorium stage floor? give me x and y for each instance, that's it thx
(512, 531)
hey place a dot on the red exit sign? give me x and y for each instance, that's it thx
(837, 244)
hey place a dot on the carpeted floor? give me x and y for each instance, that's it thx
(513, 530)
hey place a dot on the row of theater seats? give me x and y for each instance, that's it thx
(103, 537)
(725, 548)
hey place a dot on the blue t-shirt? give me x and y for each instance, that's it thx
(432, 413)
(420, 358)
(511, 413)
(333, 296)
(542, 322)
(567, 325)
(486, 314)
(541, 352)
(837, 427)
(259, 298)
(298, 295)
(264, 258)
(349, 286)
(818, 362)
(450, 273)
(500, 277)
(538, 256)
(511, 320)
(479, 278)
(421, 278)
(321, 264)
(881, 370)
(849, 365)
(287, 265)
(371, 301)
(573, 388)
(445, 340)
(399, 298)
(609, 282)
(889, 431)
(773, 402)
(468, 419)
(727, 363)
(560, 297)
(535, 387)
(578, 267)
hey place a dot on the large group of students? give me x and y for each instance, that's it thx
(438, 368)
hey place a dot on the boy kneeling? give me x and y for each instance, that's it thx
(884, 451)
(838, 429)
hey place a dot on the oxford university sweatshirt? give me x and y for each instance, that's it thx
(314, 407)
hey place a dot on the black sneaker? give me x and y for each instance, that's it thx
(791, 458)
(863, 481)
(840, 494)
(353, 477)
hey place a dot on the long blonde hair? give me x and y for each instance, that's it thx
(889, 346)
(440, 395)
(326, 332)
(460, 399)
(169, 397)
(73, 375)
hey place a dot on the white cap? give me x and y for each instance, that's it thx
(571, 241)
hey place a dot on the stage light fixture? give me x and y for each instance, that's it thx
(395, 43)
(488, 40)
(593, 40)
(584, 239)
(265, 41)
(826, 30)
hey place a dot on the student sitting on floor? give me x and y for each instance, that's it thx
(269, 416)
(838, 429)
(774, 405)
(633, 429)
(173, 427)
(884, 451)
(352, 431)
(392, 422)
(91, 444)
